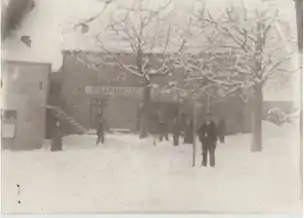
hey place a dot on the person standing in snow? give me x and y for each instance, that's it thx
(176, 131)
(100, 130)
(208, 137)
(56, 144)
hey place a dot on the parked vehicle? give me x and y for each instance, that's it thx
(278, 116)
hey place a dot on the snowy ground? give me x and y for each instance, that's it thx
(128, 174)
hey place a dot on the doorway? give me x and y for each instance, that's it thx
(96, 107)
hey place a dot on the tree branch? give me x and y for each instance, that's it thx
(274, 68)
(91, 19)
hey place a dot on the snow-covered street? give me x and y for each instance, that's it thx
(128, 174)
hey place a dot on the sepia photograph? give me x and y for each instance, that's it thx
(151, 106)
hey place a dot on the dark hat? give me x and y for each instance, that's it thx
(209, 114)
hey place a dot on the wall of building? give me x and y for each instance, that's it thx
(76, 76)
(78, 73)
(121, 111)
(25, 88)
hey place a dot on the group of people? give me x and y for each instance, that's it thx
(180, 126)
(58, 133)
(208, 134)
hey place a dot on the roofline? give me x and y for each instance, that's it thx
(103, 52)
(124, 52)
(27, 62)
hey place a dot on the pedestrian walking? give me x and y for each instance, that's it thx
(208, 137)
(56, 144)
(100, 130)
(222, 130)
(176, 131)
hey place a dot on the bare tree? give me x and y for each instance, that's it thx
(204, 82)
(148, 39)
(84, 24)
(252, 42)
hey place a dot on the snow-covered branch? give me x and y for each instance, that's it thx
(147, 37)
(85, 22)
(272, 68)
(241, 36)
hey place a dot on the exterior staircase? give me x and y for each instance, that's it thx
(73, 127)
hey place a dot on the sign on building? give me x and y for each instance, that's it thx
(157, 94)
(114, 90)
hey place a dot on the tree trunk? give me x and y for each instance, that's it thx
(208, 104)
(257, 116)
(145, 113)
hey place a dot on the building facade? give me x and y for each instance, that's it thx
(24, 90)
(86, 90)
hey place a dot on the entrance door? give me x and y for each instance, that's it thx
(96, 107)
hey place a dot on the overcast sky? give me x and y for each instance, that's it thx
(49, 25)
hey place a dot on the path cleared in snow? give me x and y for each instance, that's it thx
(131, 175)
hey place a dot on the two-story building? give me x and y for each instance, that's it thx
(84, 90)
(24, 90)
(85, 87)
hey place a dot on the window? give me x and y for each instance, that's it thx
(8, 129)
(9, 115)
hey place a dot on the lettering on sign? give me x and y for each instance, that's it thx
(112, 90)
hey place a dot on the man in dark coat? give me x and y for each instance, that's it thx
(56, 144)
(208, 137)
(100, 130)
